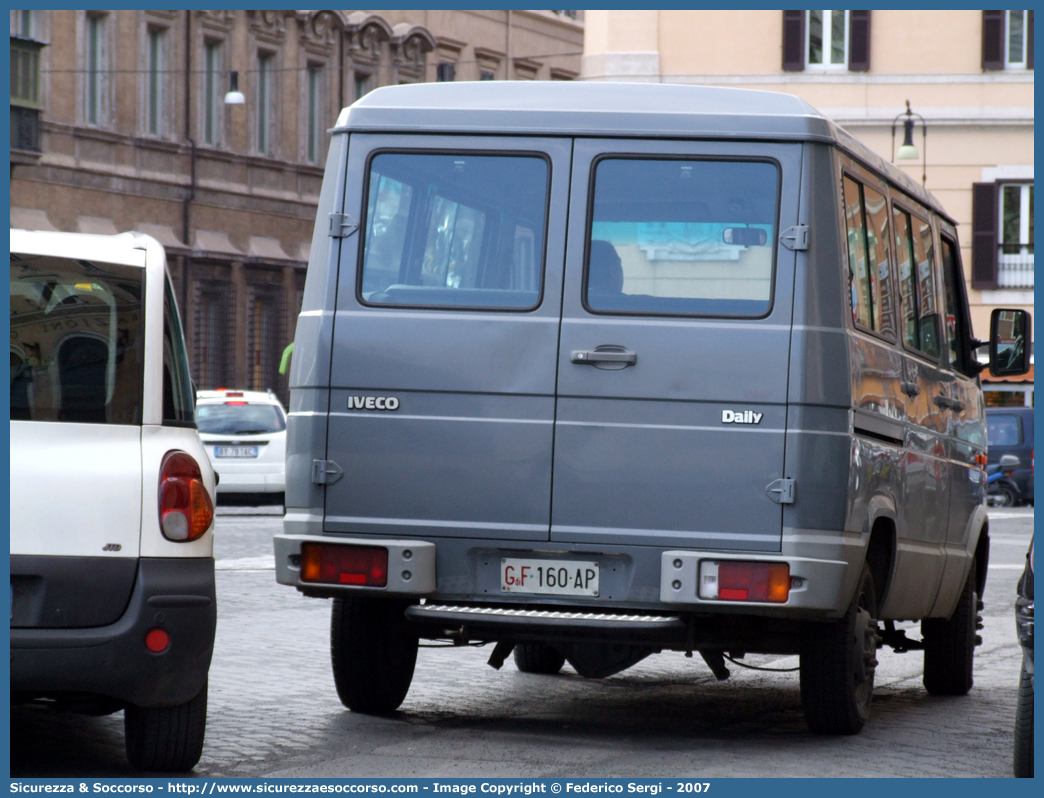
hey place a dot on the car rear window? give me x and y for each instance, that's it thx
(456, 231)
(77, 340)
(1003, 430)
(682, 237)
(233, 418)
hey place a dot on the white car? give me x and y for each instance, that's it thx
(244, 433)
(112, 515)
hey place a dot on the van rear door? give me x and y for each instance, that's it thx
(672, 369)
(445, 334)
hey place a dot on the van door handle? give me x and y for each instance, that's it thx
(954, 404)
(614, 355)
(910, 389)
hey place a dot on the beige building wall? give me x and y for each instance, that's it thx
(980, 123)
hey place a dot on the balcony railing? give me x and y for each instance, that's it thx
(1015, 271)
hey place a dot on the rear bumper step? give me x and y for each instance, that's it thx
(535, 620)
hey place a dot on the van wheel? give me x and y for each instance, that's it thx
(166, 739)
(374, 650)
(538, 658)
(838, 661)
(949, 645)
(1024, 726)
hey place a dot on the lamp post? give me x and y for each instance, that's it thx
(908, 152)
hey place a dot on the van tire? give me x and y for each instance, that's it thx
(373, 649)
(166, 739)
(838, 660)
(1024, 726)
(538, 658)
(949, 645)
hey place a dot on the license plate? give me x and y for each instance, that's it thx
(235, 451)
(549, 577)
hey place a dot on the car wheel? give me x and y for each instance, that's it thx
(1024, 726)
(949, 645)
(838, 661)
(538, 658)
(168, 739)
(374, 650)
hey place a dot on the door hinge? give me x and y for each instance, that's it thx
(342, 225)
(795, 238)
(326, 472)
(781, 491)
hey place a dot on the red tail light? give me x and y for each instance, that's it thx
(186, 510)
(344, 565)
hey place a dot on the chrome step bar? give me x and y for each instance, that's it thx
(532, 618)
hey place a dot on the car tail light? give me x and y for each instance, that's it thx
(186, 510)
(231, 394)
(366, 566)
(745, 581)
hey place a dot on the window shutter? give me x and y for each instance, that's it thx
(992, 40)
(859, 41)
(1029, 40)
(984, 235)
(793, 41)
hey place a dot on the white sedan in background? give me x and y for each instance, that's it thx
(244, 434)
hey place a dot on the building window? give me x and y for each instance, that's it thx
(1018, 36)
(363, 84)
(214, 334)
(570, 14)
(22, 24)
(314, 124)
(487, 74)
(1002, 235)
(446, 72)
(265, 76)
(212, 103)
(96, 53)
(26, 100)
(155, 79)
(826, 40)
(264, 337)
(1007, 39)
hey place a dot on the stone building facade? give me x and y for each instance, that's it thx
(119, 122)
(967, 73)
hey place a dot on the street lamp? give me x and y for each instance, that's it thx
(235, 96)
(908, 152)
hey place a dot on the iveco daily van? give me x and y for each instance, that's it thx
(593, 371)
(112, 569)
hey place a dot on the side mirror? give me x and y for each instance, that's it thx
(1009, 354)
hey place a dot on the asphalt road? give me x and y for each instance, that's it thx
(274, 712)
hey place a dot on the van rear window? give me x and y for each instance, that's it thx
(77, 340)
(682, 237)
(454, 230)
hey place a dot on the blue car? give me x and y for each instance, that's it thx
(1009, 430)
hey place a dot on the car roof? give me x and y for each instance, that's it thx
(606, 109)
(127, 249)
(250, 397)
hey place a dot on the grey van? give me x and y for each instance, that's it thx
(592, 371)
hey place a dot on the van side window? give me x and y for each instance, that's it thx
(178, 398)
(956, 315)
(915, 255)
(682, 237)
(869, 266)
(454, 231)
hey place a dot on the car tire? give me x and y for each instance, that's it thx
(949, 645)
(538, 658)
(1024, 726)
(166, 739)
(373, 649)
(838, 661)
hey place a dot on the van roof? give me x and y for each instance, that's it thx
(555, 108)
